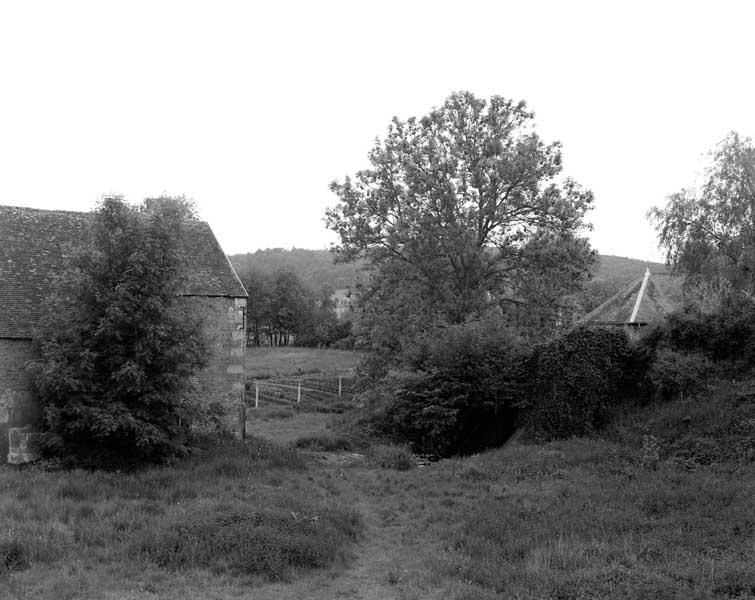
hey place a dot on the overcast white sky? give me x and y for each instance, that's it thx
(253, 108)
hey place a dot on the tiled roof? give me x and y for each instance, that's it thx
(210, 271)
(33, 245)
(662, 295)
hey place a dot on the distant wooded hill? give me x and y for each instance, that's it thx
(316, 267)
(619, 268)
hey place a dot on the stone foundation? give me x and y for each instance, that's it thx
(17, 408)
(23, 445)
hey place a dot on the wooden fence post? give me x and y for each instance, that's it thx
(298, 393)
(242, 419)
(256, 394)
(339, 386)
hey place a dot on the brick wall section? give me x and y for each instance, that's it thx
(222, 381)
(16, 406)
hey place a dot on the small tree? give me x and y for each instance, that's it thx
(709, 233)
(258, 313)
(116, 351)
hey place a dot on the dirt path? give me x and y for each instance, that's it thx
(378, 569)
(382, 560)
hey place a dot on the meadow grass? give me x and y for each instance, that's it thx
(659, 506)
(608, 517)
(236, 510)
(266, 362)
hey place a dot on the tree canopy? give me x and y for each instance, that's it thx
(467, 207)
(708, 233)
(283, 310)
(117, 351)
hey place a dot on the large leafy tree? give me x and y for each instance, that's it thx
(463, 209)
(117, 348)
(708, 233)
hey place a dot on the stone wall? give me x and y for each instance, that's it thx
(221, 383)
(16, 406)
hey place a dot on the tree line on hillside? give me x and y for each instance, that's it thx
(608, 275)
(313, 267)
(282, 310)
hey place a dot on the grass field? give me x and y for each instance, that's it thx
(660, 507)
(268, 362)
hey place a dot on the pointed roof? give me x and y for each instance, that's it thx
(646, 300)
(33, 245)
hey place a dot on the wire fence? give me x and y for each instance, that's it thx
(327, 393)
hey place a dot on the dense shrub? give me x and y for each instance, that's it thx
(673, 374)
(726, 335)
(577, 380)
(460, 392)
(117, 350)
(690, 431)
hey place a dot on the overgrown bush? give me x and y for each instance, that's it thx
(725, 336)
(576, 380)
(673, 373)
(692, 431)
(460, 391)
(117, 350)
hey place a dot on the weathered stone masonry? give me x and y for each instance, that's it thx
(16, 406)
(222, 381)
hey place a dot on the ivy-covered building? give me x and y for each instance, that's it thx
(33, 248)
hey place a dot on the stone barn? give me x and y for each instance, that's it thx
(33, 244)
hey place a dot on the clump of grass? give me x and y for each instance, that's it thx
(272, 542)
(273, 455)
(236, 458)
(324, 443)
(14, 556)
(473, 472)
(387, 456)
(278, 413)
(76, 489)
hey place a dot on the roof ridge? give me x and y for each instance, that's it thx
(47, 210)
(625, 290)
